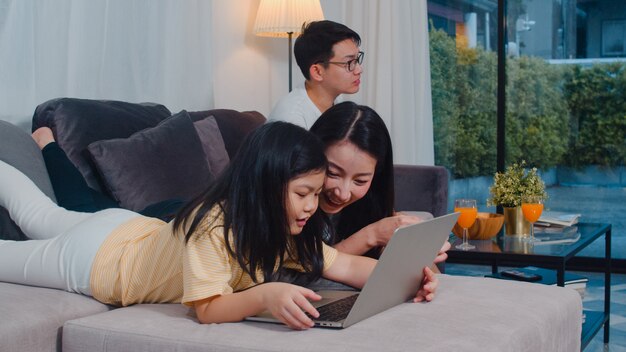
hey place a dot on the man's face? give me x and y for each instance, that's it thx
(336, 77)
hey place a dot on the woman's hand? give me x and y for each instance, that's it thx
(430, 283)
(442, 255)
(383, 229)
(288, 303)
(374, 235)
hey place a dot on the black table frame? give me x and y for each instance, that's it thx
(558, 261)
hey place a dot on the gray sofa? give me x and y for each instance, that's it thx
(469, 314)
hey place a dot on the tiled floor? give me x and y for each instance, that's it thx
(594, 300)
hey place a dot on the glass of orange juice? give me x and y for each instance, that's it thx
(467, 208)
(532, 206)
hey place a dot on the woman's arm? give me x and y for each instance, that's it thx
(352, 270)
(373, 235)
(285, 301)
(379, 233)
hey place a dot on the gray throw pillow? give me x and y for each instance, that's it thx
(76, 123)
(156, 164)
(212, 144)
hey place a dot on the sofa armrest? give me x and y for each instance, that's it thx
(421, 188)
(17, 148)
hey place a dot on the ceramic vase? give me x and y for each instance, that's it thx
(514, 222)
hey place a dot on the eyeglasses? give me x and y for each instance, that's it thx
(350, 65)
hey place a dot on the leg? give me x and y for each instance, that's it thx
(69, 186)
(33, 211)
(63, 262)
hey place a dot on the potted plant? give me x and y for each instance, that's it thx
(507, 190)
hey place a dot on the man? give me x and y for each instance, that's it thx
(328, 55)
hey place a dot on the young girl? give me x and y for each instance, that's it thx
(219, 255)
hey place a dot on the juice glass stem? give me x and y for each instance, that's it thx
(465, 240)
(465, 245)
(531, 238)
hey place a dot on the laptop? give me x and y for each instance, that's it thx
(395, 279)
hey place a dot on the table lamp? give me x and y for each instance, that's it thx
(284, 19)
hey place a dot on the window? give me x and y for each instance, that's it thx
(565, 103)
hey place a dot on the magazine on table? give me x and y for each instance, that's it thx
(556, 234)
(549, 218)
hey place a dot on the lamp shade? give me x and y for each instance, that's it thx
(278, 18)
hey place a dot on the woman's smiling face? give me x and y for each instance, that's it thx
(348, 178)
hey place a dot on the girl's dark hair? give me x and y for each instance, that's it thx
(361, 126)
(251, 193)
(315, 43)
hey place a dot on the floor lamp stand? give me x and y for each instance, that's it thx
(290, 34)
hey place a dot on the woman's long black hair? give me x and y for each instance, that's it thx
(363, 127)
(251, 193)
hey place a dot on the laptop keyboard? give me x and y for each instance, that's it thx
(337, 310)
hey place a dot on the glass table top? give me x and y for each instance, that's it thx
(584, 234)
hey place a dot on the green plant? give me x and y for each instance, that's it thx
(596, 97)
(536, 114)
(509, 187)
(463, 83)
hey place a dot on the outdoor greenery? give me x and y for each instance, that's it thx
(556, 114)
(596, 98)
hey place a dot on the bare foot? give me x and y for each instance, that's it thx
(43, 136)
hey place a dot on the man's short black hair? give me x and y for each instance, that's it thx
(315, 43)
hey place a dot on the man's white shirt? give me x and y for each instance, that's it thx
(297, 108)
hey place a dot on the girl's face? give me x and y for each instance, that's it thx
(302, 199)
(348, 178)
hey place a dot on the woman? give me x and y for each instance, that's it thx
(359, 188)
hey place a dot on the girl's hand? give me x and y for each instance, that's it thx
(427, 292)
(442, 255)
(288, 303)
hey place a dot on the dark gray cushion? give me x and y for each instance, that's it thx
(212, 144)
(421, 188)
(18, 149)
(234, 125)
(156, 164)
(78, 122)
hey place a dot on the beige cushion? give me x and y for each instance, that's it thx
(32, 317)
(468, 314)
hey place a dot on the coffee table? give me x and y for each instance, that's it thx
(505, 250)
